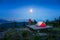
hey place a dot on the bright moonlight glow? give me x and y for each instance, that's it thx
(30, 10)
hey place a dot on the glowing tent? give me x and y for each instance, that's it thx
(41, 24)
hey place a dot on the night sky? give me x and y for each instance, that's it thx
(19, 9)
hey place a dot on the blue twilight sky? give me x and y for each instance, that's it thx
(19, 9)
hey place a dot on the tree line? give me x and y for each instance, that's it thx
(54, 23)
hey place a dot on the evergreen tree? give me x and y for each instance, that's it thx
(35, 21)
(47, 22)
(59, 20)
(15, 25)
(24, 25)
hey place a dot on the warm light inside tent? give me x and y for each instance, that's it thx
(41, 24)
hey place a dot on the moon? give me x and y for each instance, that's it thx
(30, 10)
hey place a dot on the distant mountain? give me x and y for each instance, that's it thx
(3, 21)
(9, 21)
(12, 24)
(23, 20)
